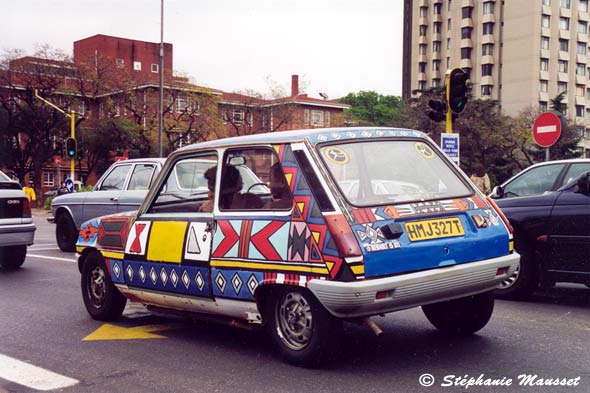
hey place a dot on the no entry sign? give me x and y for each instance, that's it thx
(547, 129)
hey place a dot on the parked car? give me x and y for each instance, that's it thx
(339, 237)
(121, 188)
(17, 230)
(542, 177)
(552, 235)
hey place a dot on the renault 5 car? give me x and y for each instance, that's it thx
(341, 225)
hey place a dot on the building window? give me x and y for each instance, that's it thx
(82, 108)
(579, 111)
(580, 69)
(561, 87)
(466, 12)
(182, 105)
(545, 21)
(137, 65)
(487, 49)
(564, 23)
(544, 65)
(562, 65)
(449, 24)
(563, 45)
(486, 69)
(317, 118)
(155, 68)
(466, 53)
(101, 110)
(544, 42)
(488, 7)
(435, 82)
(120, 63)
(422, 67)
(306, 116)
(543, 86)
(423, 29)
(423, 12)
(581, 48)
(421, 85)
(486, 90)
(546, 2)
(437, 26)
(582, 27)
(466, 32)
(436, 65)
(435, 46)
(488, 28)
(48, 179)
(237, 117)
(327, 119)
(543, 106)
(580, 90)
(448, 43)
(564, 3)
(437, 8)
(583, 5)
(422, 49)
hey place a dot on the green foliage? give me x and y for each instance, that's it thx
(371, 108)
(47, 204)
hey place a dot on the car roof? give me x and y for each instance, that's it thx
(314, 136)
(565, 161)
(140, 160)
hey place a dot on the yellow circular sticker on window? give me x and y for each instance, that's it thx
(424, 150)
(337, 155)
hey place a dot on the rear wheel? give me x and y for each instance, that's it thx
(66, 233)
(524, 280)
(12, 257)
(102, 299)
(301, 328)
(461, 316)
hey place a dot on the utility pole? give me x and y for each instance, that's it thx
(161, 111)
(72, 117)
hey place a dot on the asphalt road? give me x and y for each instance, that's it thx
(43, 325)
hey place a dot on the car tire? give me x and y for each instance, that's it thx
(102, 299)
(12, 257)
(462, 316)
(302, 330)
(523, 281)
(66, 233)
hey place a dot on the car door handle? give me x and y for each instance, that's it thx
(114, 199)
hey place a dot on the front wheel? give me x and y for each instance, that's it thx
(102, 299)
(462, 316)
(523, 281)
(301, 328)
(66, 233)
(12, 257)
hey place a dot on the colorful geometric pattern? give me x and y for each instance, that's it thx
(112, 232)
(166, 241)
(235, 283)
(353, 134)
(88, 235)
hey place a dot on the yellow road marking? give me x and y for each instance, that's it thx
(113, 332)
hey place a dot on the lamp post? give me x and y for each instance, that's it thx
(161, 111)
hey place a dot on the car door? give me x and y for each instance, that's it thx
(569, 233)
(169, 244)
(534, 181)
(105, 197)
(137, 188)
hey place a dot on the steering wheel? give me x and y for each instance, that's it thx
(256, 184)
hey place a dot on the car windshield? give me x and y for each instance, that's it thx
(384, 172)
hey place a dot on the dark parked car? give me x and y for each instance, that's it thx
(552, 235)
(121, 188)
(16, 224)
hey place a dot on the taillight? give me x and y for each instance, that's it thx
(26, 208)
(344, 239)
(502, 216)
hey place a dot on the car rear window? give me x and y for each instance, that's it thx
(380, 172)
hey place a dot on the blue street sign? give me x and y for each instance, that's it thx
(70, 185)
(449, 143)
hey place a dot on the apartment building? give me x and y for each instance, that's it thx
(522, 53)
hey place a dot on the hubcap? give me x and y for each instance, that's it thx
(97, 287)
(294, 321)
(510, 281)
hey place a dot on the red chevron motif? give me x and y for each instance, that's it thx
(230, 237)
(337, 265)
(363, 216)
(261, 240)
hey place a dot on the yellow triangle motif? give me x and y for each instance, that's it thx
(330, 265)
(113, 332)
(316, 236)
(301, 206)
(289, 177)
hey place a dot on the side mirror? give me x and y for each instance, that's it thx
(497, 192)
(583, 183)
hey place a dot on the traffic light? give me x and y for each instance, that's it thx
(439, 110)
(71, 149)
(457, 90)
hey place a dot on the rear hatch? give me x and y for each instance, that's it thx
(12, 203)
(410, 208)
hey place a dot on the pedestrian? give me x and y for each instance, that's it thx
(481, 179)
(30, 192)
(63, 189)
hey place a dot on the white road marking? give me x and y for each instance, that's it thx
(42, 248)
(546, 129)
(53, 258)
(34, 377)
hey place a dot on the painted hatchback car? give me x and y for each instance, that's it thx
(358, 222)
(122, 187)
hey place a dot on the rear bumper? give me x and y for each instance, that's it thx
(17, 235)
(357, 299)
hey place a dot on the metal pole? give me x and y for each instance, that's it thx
(73, 135)
(161, 112)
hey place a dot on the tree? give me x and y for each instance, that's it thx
(372, 108)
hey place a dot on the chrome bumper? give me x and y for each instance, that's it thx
(356, 299)
(51, 219)
(17, 235)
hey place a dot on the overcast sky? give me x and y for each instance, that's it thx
(335, 46)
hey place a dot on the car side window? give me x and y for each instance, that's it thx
(141, 177)
(189, 186)
(115, 180)
(574, 171)
(253, 179)
(535, 181)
